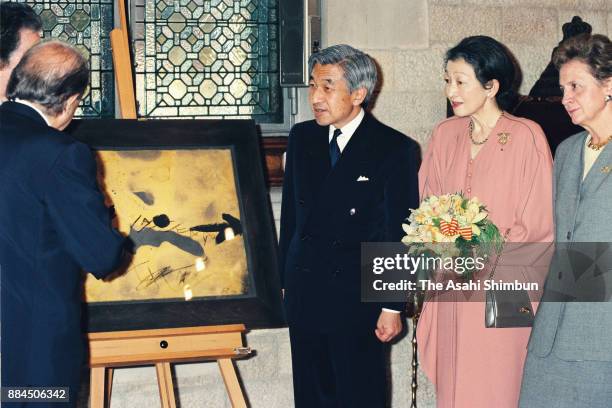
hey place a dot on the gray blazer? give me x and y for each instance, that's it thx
(576, 331)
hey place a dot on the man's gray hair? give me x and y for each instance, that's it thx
(49, 74)
(359, 68)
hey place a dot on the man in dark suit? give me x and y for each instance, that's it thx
(348, 179)
(19, 30)
(53, 222)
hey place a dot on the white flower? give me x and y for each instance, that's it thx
(480, 216)
(475, 229)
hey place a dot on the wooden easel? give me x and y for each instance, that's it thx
(123, 66)
(161, 348)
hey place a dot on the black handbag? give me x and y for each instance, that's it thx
(507, 308)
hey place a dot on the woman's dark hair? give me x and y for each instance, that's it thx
(490, 60)
(595, 50)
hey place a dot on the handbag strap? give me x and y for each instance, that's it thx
(499, 255)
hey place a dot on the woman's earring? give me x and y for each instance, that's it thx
(608, 98)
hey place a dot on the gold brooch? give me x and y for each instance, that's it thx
(503, 138)
(606, 169)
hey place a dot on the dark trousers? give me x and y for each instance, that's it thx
(344, 369)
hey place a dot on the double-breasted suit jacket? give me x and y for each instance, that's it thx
(328, 212)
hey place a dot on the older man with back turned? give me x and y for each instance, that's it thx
(19, 30)
(54, 222)
(348, 179)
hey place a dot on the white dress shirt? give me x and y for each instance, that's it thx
(347, 130)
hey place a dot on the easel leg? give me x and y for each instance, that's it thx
(96, 387)
(109, 386)
(231, 383)
(166, 388)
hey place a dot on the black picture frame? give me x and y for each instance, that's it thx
(262, 306)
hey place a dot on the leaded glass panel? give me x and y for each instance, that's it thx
(86, 24)
(207, 58)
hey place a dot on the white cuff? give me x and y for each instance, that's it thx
(390, 310)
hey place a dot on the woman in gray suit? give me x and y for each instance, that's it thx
(569, 363)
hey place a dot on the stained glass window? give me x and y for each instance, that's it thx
(86, 24)
(207, 58)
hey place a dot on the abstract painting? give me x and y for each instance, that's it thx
(192, 196)
(183, 207)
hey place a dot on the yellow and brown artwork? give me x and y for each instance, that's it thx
(182, 209)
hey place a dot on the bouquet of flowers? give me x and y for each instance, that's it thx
(452, 218)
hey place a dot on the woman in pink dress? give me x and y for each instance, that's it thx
(505, 161)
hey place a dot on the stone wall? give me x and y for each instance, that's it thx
(408, 39)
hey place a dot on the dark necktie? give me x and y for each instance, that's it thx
(334, 149)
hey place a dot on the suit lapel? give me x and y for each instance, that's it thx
(574, 168)
(355, 150)
(599, 172)
(318, 157)
(353, 158)
(568, 187)
(316, 164)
